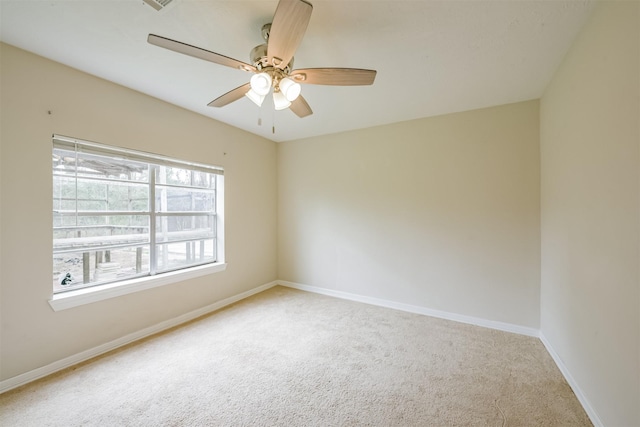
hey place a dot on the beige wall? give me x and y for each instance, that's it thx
(441, 213)
(590, 135)
(89, 108)
(450, 213)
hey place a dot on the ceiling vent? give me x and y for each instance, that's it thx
(158, 4)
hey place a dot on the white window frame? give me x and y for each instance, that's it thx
(90, 294)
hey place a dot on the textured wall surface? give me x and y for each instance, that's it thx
(89, 108)
(590, 138)
(441, 213)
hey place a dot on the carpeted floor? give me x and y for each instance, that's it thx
(291, 358)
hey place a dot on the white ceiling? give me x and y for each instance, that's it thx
(432, 57)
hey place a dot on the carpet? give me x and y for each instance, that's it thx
(290, 358)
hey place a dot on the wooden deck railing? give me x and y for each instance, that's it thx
(103, 245)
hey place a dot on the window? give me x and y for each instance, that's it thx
(120, 214)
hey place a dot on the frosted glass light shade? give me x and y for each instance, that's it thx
(279, 101)
(261, 83)
(290, 89)
(257, 99)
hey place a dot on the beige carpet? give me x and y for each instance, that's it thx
(291, 358)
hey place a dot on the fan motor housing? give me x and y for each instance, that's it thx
(258, 55)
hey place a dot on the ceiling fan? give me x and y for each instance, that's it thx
(272, 63)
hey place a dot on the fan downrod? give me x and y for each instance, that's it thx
(266, 29)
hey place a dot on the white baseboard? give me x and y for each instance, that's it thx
(492, 324)
(593, 416)
(49, 369)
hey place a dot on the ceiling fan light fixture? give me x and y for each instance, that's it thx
(279, 101)
(290, 89)
(256, 98)
(272, 62)
(261, 83)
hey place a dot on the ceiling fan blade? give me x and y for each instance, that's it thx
(287, 29)
(229, 97)
(197, 52)
(300, 107)
(334, 76)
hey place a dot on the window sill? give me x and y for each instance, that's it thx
(84, 296)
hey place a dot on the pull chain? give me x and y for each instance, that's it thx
(273, 121)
